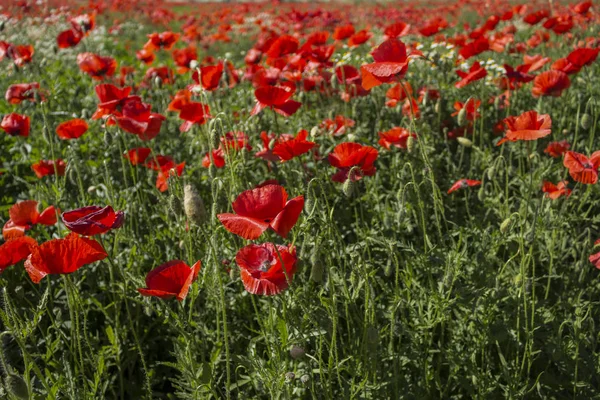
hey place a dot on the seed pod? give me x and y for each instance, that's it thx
(586, 121)
(193, 205)
(462, 116)
(410, 144)
(464, 141)
(16, 386)
(505, 225)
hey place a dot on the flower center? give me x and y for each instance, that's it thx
(264, 267)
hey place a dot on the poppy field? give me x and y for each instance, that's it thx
(280, 200)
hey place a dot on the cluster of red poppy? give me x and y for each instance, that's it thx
(279, 66)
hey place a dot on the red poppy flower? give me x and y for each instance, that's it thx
(72, 129)
(396, 137)
(550, 83)
(475, 47)
(62, 256)
(163, 40)
(582, 8)
(162, 180)
(184, 57)
(595, 259)
(581, 168)
(111, 98)
(359, 38)
(267, 153)
(93, 220)
(15, 124)
(181, 98)
(193, 113)
(283, 45)
(25, 214)
(15, 250)
(476, 72)
(514, 77)
(293, 147)
(348, 155)
(266, 269)
(583, 57)
(397, 29)
(210, 76)
(96, 66)
(164, 74)
(260, 208)
(171, 279)
(19, 92)
(337, 126)
(557, 149)
(216, 157)
(434, 26)
(69, 38)
(555, 191)
(463, 183)
(398, 92)
(138, 155)
(145, 55)
(346, 74)
(278, 98)
(535, 17)
(527, 126)
(471, 108)
(136, 118)
(535, 62)
(20, 54)
(343, 32)
(49, 167)
(391, 64)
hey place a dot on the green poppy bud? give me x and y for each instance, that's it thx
(462, 116)
(464, 141)
(586, 121)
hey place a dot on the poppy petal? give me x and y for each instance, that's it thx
(246, 227)
(287, 218)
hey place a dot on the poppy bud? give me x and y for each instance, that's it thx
(304, 379)
(462, 116)
(464, 141)
(438, 106)
(290, 376)
(91, 189)
(586, 121)
(193, 64)
(182, 244)
(497, 102)
(193, 205)
(314, 132)
(410, 144)
(296, 352)
(349, 187)
(85, 113)
(214, 139)
(158, 82)
(213, 212)
(425, 98)
(490, 173)
(16, 386)
(481, 194)
(317, 268)
(175, 205)
(505, 225)
(106, 138)
(232, 273)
